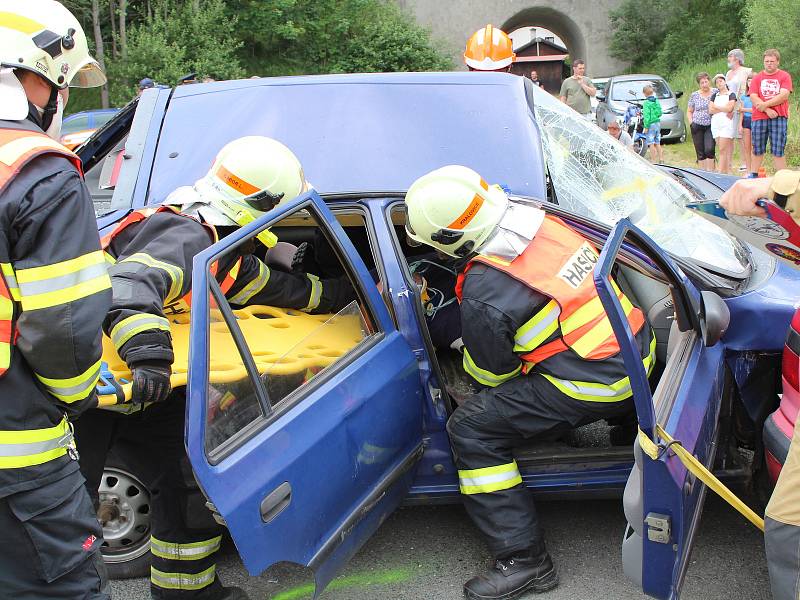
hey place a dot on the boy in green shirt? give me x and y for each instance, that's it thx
(651, 121)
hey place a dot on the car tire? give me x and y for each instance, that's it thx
(125, 511)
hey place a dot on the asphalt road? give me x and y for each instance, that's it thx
(426, 553)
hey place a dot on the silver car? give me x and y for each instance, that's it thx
(621, 90)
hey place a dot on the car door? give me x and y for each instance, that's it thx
(662, 500)
(309, 477)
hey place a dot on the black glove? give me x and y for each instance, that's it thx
(150, 382)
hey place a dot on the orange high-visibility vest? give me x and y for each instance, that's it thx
(559, 263)
(182, 304)
(17, 148)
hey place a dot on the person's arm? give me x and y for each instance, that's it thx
(588, 87)
(64, 289)
(256, 283)
(728, 108)
(563, 92)
(741, 197)
(488, 337)
(782, 97)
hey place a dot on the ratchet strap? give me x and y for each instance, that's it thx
(694, 466)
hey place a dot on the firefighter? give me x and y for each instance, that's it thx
(537, 341)
(151, 274)
(54, 291)
(489, 49)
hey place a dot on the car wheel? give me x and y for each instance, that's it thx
(682, 138)
(640, 147)
(125, 513)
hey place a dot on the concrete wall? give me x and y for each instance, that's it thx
(582, 24)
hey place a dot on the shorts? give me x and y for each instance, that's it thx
(774, 130)
(654, 133)
(746, 123)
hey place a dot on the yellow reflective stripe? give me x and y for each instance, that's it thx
(20, 23)
(592, 310)
(11, 280)
(190, 551)
(540, 327)
(254, 286)
(183, 581)
(602, 392)
(489, 479)
(486, 377)
(109, 259)
(316, 293)
(75, 388)
(5, 355)
(63, 282)
(174, 272)
(130, 326)
(34, 446)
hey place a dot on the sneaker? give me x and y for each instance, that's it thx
(512, 577)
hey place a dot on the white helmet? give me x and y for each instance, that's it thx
(250, 176)
(453, 210)
(43, 37)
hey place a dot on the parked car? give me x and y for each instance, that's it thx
(621, 89)
(335, 425)
(600, 84)
(77, 128)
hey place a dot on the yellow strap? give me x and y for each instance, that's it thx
(697, 468)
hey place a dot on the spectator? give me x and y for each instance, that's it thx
(145, 84)
(722, 123)
(737, 77)
(700, 122)
(769, 92)
(746, 111)
(576, 90)
(615, 131)
(651, 121)
(535, 78)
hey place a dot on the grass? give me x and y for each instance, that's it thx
(683, 154)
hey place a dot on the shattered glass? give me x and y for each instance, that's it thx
(595, 176)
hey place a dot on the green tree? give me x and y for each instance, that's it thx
(774, 24)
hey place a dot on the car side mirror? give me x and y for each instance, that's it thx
(714, 318)
(678, 94)
(600, 96)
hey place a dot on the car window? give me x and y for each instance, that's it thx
(101, 119)
(632, 90)
(288, 350)
(75, 123)
(596, 177)
(600, 85)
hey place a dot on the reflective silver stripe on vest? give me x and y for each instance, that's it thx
(33, 447)
(316, 293)
(489, 479)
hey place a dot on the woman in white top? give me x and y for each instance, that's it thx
(723, 127)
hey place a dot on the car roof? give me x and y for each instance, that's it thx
(637, 77)
(360, 132)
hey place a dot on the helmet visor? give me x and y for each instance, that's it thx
(88, 75)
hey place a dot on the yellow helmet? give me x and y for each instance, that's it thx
(453, 210)
(43, 37)
(250, 176)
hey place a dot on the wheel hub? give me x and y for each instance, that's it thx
(125, 515)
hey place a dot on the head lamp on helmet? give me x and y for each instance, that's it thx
(453, 210)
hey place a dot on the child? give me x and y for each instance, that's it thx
(651, 116)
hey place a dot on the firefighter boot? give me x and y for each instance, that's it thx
(511, 577)
(234, 593)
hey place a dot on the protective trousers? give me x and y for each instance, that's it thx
(483, 433)
(151, 443)
(782, 527)
(50, 541)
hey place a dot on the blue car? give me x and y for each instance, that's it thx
(330, 424)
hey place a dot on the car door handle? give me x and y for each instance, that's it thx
(274, 502)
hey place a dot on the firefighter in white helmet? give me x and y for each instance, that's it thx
(152, 252)
(54, 291)
(538, 344)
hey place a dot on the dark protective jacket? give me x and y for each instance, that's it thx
(540, 313)
(152, 271)
(54, 269)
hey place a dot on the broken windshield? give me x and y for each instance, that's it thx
(595, 176)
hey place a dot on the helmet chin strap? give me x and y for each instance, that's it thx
(50, 109)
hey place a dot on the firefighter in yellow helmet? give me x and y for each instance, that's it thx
(54, 291)
(536, 340)
(489, 49)
(152, 252)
